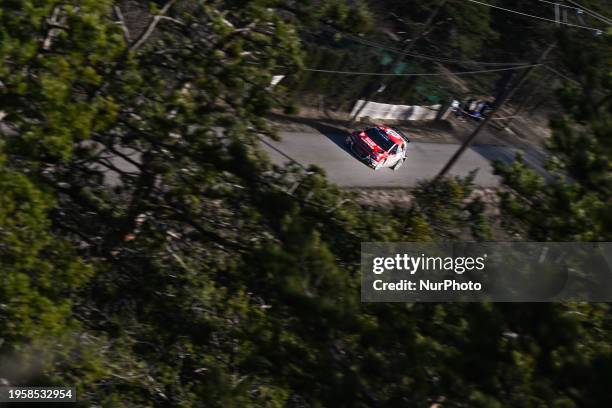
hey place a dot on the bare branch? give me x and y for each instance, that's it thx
(174, 20)
(55, 23)
(126, 31)
(151, 27)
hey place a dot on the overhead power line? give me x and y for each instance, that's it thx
(373, 44)
(536, 17)
(578, 9)
(556, 3)
(400, 57)
(482, 71)
(554, 71)
(506, 95)
(593, 13)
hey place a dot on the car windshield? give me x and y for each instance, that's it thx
(380, 138)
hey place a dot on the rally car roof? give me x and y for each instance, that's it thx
(393, 134)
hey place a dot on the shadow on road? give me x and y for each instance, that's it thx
(493, 153)
(333, 129)
(534, 158)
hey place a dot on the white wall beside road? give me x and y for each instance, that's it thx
(384, 111)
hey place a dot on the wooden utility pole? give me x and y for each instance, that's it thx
(498, 104)
(400, 57)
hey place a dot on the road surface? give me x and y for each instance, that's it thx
(423, 160)
(326, 149)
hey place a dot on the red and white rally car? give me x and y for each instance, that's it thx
(379, 146)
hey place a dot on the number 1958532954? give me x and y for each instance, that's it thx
(37, 394)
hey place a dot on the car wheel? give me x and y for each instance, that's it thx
(398, 164)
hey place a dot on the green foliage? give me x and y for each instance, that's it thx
(574, 205)
(39, 274)
(360, 20)
(41, 85)
(151, 256)
(451, 210)
(40, 285)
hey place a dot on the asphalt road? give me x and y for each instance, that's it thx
(326, 149)
(423, 160)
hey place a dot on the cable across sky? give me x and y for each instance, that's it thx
(556, 3)
(592, 13)
(536, 17)
(422, 56)
(586, 11)
(482, 71)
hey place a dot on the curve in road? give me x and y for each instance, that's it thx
(423, 160)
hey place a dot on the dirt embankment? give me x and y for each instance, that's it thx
(403, 198)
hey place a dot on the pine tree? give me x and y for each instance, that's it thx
(155, 258)
(574, 205)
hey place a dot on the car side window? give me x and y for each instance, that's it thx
(393, 150)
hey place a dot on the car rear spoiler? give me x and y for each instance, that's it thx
(401, 134)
